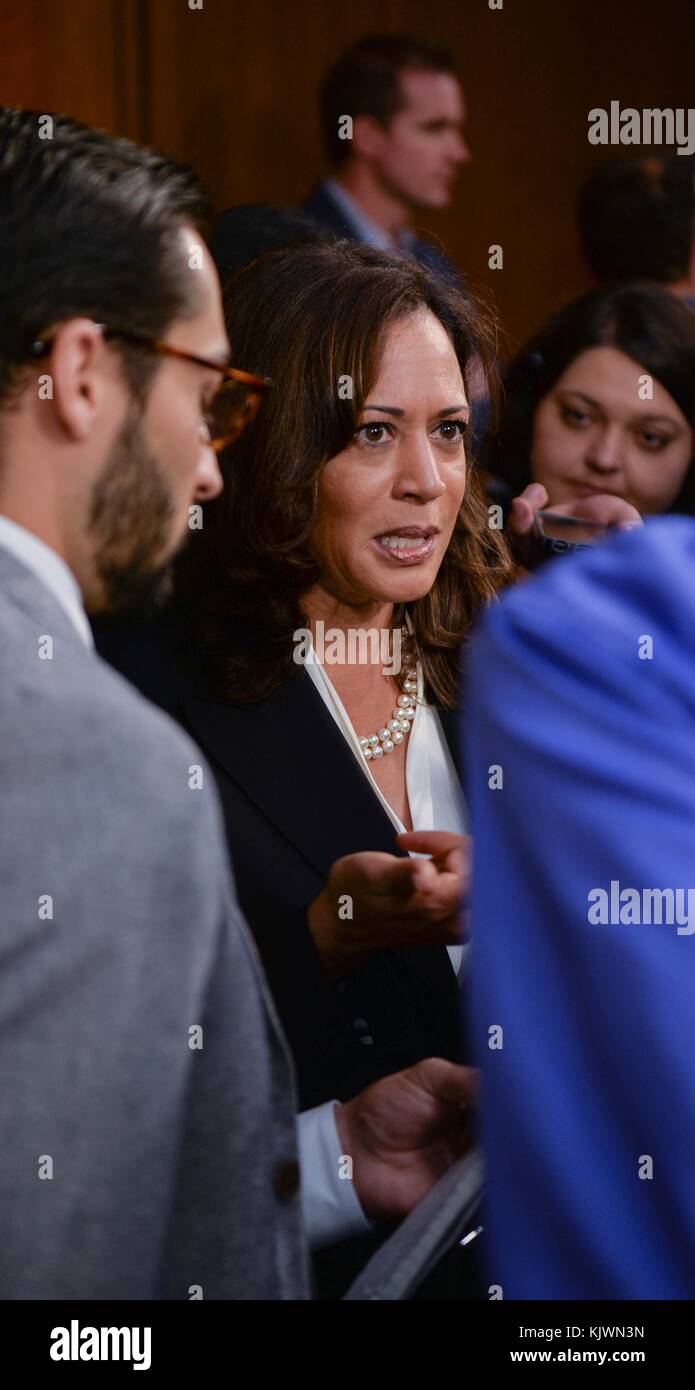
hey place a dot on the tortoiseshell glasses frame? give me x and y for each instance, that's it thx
(240, 392)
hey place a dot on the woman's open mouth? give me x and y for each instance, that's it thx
(409, 546)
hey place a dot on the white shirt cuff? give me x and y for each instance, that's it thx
(330, 1205)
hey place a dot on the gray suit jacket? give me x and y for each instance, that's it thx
(132, 1164)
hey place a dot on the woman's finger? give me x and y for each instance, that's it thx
(604, 507)
(450, 853)
(431, 841)
(531, 500)
(388, 875)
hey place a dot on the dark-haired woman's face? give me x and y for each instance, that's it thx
(594, 432)
(598, 431)
(389, 502)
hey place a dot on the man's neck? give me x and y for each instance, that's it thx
(380, 206)
(29, 497)
(37, 521)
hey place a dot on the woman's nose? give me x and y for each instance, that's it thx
(605, 449)
(418, 474)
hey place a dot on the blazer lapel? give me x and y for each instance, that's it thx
(450, 721)
(289, 757)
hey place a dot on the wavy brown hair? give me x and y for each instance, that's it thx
(307, 316)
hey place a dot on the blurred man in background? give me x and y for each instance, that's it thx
(401, 150)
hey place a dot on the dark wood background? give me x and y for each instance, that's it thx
(231, 89)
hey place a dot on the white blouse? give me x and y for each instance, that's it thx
(434, 794)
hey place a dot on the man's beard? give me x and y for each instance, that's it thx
(130, 521)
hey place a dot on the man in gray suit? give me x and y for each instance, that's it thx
(147, 1105)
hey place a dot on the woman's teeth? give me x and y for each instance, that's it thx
(403, 542)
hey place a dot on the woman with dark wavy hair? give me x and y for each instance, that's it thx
(320, 317)
(314, 647)
(328, 595)
(602, 400)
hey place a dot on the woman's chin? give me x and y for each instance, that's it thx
(406, 587)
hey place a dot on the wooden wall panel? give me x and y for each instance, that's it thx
(231, 89)
(63, 56)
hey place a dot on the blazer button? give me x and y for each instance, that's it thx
(361, 1026)
(286, 1180)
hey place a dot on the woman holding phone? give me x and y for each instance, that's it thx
(600, 403)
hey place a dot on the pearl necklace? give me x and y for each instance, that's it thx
(388, 738)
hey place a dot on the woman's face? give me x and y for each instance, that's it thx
(593, 434)
(389, 501)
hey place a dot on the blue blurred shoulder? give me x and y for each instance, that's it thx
(640, 582)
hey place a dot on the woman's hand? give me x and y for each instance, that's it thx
(606, 508)
(372, 901)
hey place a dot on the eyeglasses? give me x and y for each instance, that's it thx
(234, 405)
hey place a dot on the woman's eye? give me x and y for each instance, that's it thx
(573, 416)
(452, 431)
(374, 432)
(653, 441)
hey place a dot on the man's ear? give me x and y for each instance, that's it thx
(79, 370)
(368, 136)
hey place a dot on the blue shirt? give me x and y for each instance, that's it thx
(582, 694)
(365, 229)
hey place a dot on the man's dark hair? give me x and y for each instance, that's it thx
(89, 226)
(635, 218)
(245, 232)
(364, 82)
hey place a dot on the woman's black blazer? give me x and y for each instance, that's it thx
(295, 800)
